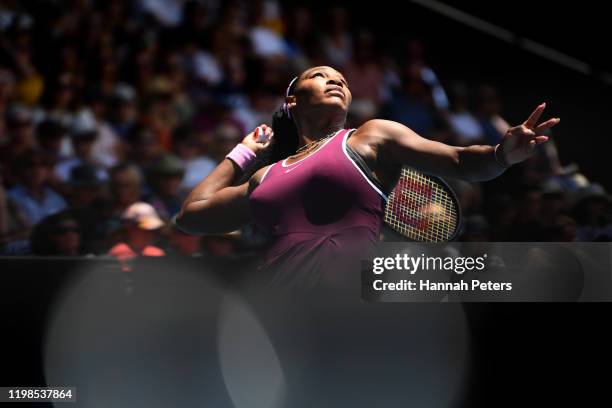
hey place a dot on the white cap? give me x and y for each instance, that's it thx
(143, 215)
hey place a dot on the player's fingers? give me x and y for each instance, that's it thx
(546, 125)
(535, 116)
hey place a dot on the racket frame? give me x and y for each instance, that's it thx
(447, 188)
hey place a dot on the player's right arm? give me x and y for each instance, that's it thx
(215, 205)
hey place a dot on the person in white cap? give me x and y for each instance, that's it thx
(142, 226)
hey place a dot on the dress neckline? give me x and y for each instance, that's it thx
(285, 164)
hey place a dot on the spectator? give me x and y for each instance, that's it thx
(299, 38)
(123, 112)
(165, 178)
(592, 209)
(31, 194)
(60, 100)
(145, 147)
(554, 202)
(20, 131)
(258, 108)
(20, 49)
(57, 235)
(266, 31)
(161, 115)
(415, 55)
(84, 186)
(14, 227)
(107, 149)
(83, 137)
(337, 43)
(182, 103)
(197, 165)
(363, 72)
(51, 135)
(142, 226)
(391, 79)
(204, 65)
(366, 78)
(225, 138)
(489, 107)
(86, 200)
(464, 125)
(413, 106)
(125, 187)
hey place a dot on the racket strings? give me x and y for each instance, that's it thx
(421, 208)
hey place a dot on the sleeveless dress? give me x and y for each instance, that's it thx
(323, 213)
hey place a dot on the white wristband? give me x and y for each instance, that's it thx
(505, 166)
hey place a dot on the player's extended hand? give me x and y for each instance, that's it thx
(260, 139)
(520, 141)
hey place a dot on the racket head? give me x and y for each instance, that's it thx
(423, 208)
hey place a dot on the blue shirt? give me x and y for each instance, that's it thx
(33, 209)
(415, 114)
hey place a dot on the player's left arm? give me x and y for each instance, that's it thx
(396, 143)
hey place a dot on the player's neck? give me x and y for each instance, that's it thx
(310, 131)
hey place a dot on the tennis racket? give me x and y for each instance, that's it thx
(423, 208)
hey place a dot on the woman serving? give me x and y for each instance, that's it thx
(321, 189)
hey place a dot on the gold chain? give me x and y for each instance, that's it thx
(308, 147)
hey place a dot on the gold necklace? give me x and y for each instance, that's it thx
(309, 146)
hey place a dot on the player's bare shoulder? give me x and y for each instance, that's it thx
(368, 139)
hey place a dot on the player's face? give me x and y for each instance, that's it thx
(322, 87)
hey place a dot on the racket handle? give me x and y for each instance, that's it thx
(260, 135)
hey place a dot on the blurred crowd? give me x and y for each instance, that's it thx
(112, 111)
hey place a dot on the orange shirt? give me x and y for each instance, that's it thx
(122, 251)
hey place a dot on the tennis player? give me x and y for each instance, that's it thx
(320, 189)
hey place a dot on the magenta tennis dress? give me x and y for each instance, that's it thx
(323, 212)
